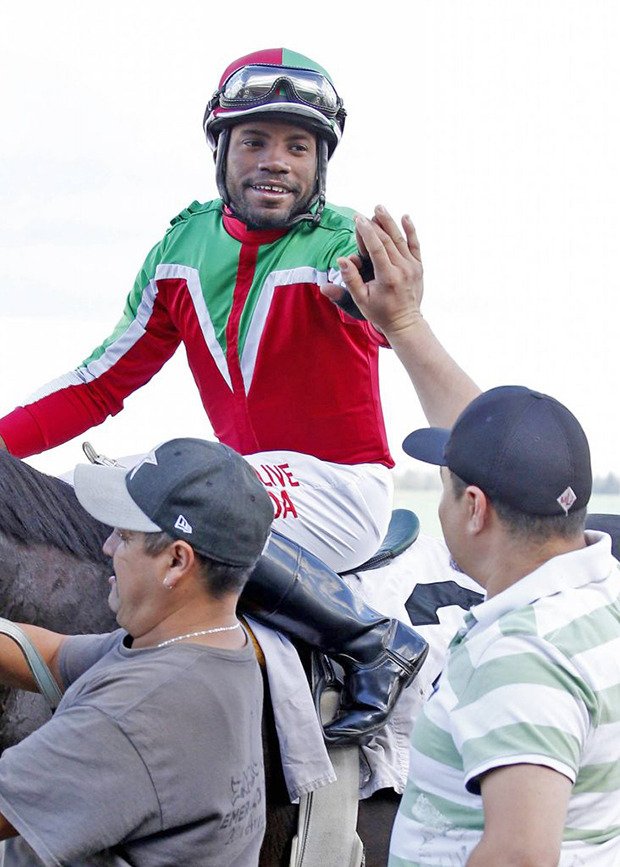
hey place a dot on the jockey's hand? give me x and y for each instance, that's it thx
(391, 299)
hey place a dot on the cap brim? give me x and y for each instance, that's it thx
(103, 493)
(428, 445)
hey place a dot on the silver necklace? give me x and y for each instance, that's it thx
(200, 632)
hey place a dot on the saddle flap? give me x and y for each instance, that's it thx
(402, 532)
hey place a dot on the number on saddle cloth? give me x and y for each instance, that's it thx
(426, 599)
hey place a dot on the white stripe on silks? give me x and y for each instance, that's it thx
(128, 339)
(288, 277)
(110, 356)
(192, 280)
(74, 377)
(335, 276)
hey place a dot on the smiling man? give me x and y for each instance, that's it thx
(287, 378)
(285, 154)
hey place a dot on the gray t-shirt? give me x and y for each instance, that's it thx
(153, 757)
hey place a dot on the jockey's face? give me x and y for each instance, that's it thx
(270, 172)
(136, 588)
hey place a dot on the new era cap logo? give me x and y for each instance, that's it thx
(183, 524)
(567, 499)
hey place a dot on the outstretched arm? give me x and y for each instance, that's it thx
(391, 301)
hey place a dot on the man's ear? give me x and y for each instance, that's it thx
(478, 509)
(181, 559)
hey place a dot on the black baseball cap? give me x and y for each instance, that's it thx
(518, 446)
(193, 489)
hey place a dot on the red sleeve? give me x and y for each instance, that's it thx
(69, 410)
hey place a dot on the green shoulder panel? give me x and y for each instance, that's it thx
(333, 237)
(178, 246)
(195, 208)
(338, 214)
(183, 243)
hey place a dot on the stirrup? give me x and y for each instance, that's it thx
(95, 458)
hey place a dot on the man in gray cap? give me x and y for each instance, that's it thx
(514, 759)
(154, 754)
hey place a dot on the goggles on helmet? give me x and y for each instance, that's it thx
(258, 84)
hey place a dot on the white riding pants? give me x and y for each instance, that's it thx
(338, 512)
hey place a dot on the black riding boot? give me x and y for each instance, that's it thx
(293, 591)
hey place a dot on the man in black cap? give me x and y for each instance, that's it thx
(514, 758)
(154, 754)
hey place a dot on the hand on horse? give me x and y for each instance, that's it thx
(391, 298)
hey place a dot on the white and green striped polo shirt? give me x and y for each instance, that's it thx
(533, 677)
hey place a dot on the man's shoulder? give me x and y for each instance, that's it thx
(197, 209)
(333, 236)
(336, 218)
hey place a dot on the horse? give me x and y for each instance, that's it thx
(53, 573)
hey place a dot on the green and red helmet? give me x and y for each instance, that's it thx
(276, 81)
(276, 84)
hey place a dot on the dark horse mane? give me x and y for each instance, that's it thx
(39, 509)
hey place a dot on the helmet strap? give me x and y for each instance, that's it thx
(221, 155)
(322, 156)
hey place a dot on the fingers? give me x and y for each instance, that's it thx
(357, 260)
(349, 269)
(385, 220)
(409, 245)
(412, 237)
(351, 275)
(361, 246)
(376, 243)
(390, 235)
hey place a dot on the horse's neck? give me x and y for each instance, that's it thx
(40, 509)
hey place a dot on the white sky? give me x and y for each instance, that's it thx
(496, 125)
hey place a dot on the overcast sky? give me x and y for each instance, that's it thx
(496, 125)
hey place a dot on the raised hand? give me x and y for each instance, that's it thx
(391, 298)
(391, 301)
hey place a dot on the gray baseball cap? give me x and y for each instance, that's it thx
(196, 490)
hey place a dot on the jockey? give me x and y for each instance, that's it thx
(287, 378)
